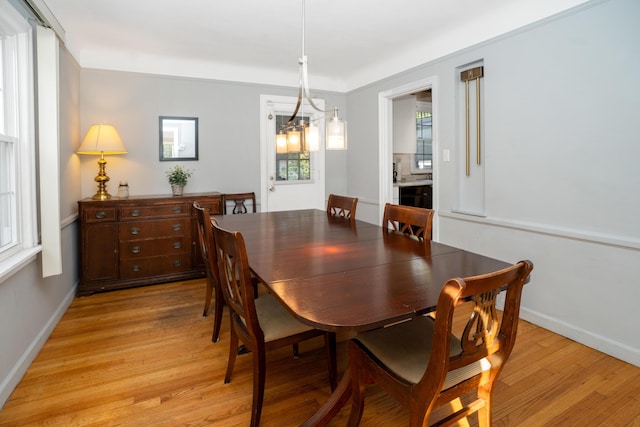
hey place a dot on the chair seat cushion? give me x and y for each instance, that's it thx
(405, 349)
(276, 322)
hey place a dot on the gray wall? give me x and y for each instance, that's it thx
(229, 135)
(31, 306)
(561, 181)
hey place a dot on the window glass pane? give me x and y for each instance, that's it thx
(292, 166)
(7, 197)
(424, 157)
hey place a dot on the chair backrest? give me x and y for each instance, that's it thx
(205, 239)
(235, 280)
(237, 202)
(342, 206)
(485, 335)
(409, 220)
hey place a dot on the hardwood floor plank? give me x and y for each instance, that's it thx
(144, 357)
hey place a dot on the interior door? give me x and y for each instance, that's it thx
(289, 181)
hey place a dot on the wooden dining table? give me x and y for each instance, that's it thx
(340, 275)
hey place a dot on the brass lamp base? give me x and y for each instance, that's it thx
(101, 179)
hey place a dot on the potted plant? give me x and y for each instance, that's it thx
(178, 178)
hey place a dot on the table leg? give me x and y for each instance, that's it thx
(332, 406)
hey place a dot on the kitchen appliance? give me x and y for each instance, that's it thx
(420, 196)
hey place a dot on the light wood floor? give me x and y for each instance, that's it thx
(144, 357)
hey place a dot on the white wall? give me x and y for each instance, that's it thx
(561, 181)
(229, 135)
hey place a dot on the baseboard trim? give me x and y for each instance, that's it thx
(587, 338)
(12, 380)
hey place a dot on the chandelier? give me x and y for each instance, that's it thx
(300, 136)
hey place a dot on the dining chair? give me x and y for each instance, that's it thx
(207, 250)
(342, 206)
(416, 222)
(423, 364)
(262, 323)
(239, 202)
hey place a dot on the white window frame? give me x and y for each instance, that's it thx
(19, 109)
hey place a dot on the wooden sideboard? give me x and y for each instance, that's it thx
(140, 240)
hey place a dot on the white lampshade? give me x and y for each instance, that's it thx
(294, 144)
(312, 137)
(281, 142)
(336, 134)
(102, 139)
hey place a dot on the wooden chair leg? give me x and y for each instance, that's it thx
(233, 353)
(259, 374)
(484, 413)
(207, 298)
(217, 316)
(296, 351)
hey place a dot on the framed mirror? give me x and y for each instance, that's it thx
(178, 138)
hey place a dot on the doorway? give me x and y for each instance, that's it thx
(385, 131)
(289, 182)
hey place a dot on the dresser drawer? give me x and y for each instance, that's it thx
(155, 228)
(133, 249)
(99, 214)
(154, 211)
(154, 266)
(213, 204)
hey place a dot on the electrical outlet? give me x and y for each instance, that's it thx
(446, 155)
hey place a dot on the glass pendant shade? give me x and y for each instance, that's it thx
(336, 134)
(312, 137)
(294, 144)
(281, 142)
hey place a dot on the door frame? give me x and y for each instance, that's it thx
(385, 138)
(266, 110)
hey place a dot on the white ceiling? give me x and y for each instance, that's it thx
(349, 43)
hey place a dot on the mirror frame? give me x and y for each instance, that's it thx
(186, 121)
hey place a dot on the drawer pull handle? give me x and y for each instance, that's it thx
(135, 268)
(135, 230)
(177, 209)
(135, 250)
(177, 227)
(177, 245)
(135, 212)
(101, 214)
(177, 263)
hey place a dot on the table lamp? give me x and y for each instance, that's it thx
(101, 140)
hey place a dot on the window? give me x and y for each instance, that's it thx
(17, 146)
(424, 156)
(292, 166)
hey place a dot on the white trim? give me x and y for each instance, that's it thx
(385, 137)
(45, 14)
(17, 261)
(583, 336)
(551, 230)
